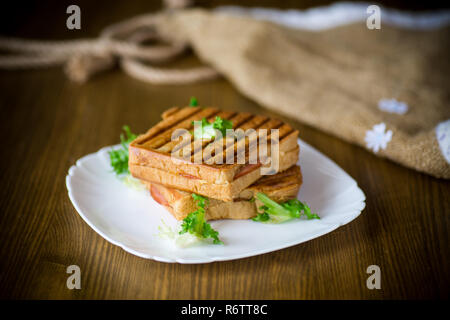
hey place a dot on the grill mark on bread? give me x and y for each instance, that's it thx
(237, 120)
(166, 136)
(167, 123)
(199, 144)
(254, 122)
(289, 177)
(248, 125)
(278, 184)
(267, 180)
(245, 142)
(169, 112)
(178, 149)
(284, 131)
(176, 145)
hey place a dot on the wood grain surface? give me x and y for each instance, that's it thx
(47, 123)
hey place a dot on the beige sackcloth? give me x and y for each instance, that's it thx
(333, 79)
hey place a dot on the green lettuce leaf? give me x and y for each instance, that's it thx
(274, 212)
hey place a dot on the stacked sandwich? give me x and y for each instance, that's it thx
(165, 158)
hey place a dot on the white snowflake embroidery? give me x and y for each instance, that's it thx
(377, 137)
(392, 106)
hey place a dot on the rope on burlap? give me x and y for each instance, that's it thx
(121, 42)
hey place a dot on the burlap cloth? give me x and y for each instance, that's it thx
(334, 79)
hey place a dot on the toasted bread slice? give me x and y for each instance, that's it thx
(155, 157)
(221, 191)
(279, 187)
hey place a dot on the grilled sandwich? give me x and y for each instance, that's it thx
(157, 158)
(279, 187)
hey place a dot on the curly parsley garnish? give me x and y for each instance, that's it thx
(195, 223)
(280, 212)
(207, 130)
(119, 157)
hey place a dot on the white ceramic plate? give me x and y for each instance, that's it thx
(130, 218)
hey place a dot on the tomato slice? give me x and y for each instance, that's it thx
(157, 196)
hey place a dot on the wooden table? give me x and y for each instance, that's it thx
(47, 123)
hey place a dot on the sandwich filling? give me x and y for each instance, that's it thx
(280, 187)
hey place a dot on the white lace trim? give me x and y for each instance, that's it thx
(338, 14)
